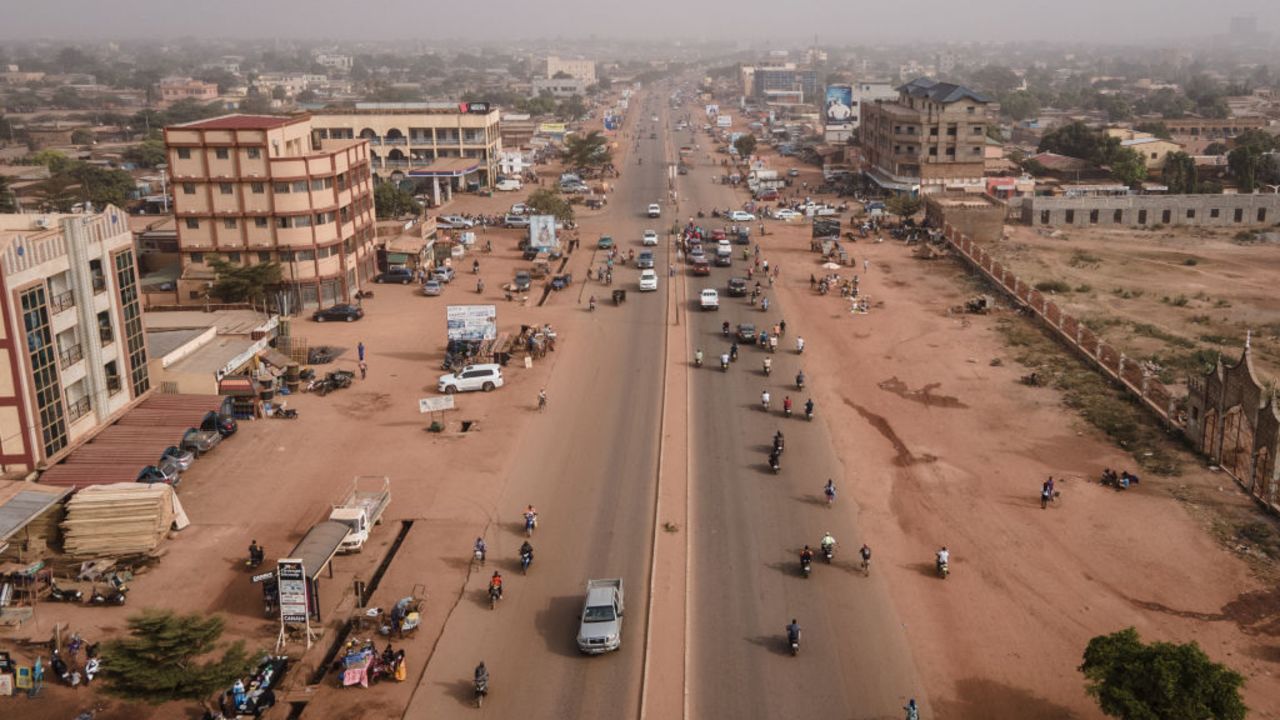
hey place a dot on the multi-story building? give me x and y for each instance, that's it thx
(931, 138)
(261, 188)
(71, 338)
(173, 89)
(293, 83)
(785, 83)
(456, 143)
(867, 92)
(577, 68)
(559, 87)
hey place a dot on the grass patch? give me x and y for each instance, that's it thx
(1107, 408)
(1082, 259)
(1191, 262)
(1098, 323)
(1179, 301)
(1084, 288)
(1126, 294)
(1248, 236)
(1221, 303)
(1053, 286)
(1222, 340)
(1200, 319)
(1151, 331)
(1175, 366)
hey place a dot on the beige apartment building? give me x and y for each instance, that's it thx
(931, 138)
(73, 353)
(261, 188)
(444, 146)
(577, 68)
(173, 89)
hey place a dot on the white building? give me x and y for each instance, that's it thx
(869, 91)
(581, 69)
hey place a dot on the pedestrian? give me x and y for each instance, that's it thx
(364, 369)
(360, 350)
(866, 265)
(671, 271)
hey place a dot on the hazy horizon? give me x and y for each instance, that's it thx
(929, 21)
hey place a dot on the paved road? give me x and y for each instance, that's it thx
(748, 526)
(592, 461)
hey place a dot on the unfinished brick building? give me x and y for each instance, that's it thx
(1233, 420)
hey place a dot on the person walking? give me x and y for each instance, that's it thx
(364, 369)
(360, 351)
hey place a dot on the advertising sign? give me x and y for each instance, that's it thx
(475, 108)
(292, 586)
(713, 110)
(472, 322)
(724, 121)
(839, 106)
(542, 232)
(440, 403)
(552, 128)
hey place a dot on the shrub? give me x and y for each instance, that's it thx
(1191, 262)
(1053, 286)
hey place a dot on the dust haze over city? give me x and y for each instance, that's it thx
(658, 360)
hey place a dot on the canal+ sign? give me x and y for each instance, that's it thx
(475, 108)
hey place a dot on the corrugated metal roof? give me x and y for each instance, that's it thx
(318, 546)
(241, 122)
(26, 505)
(941, 92)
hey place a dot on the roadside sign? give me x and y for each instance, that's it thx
(262, 577)
(292, 587)
(439, 403)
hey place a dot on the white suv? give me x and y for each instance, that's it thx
(472, 377)
(650, 238)
(648, 280)
(709, 300)
(655, 210)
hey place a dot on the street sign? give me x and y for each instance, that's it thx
(292, 587)
(439, 403)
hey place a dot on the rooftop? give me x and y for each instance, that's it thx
(941, 92)
(242, 122)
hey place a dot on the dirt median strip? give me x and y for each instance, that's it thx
(666, 627)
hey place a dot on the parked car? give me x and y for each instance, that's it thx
(605, 242)
(718, 234)
(515, 221)
(152, 474)
(182, 459)
(432, 288)
(508, 185)
(723, 260)
(345, 313)
(741, 216)
(648, 280)
(709, 299)
(737, 287)
(523, 281)
(644, 260)
(767, 195)
(451, 222)
(793, 173)
(224, 424)
(444, 274)
(199, 441)
(655, 210)
(399, 274)
(519, 209)
(787, 214)
(484, 377)
(650, 238)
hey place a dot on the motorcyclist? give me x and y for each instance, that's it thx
(697, 357)
(799, 344)
(481, 548)
(591, 304)
(482, 677)
(764, 399)
(782, 327)
(944, 557)
(724, 328)
(475, 267)
(913, 712)
(808, 407)
(256, 553)
(526, 550)
(764, 303)
(778, 440)
(768, 365)
(530, 517)
(733, 350)
(793, 632)
(830, 490)
(724, 360)
(495, 583)
(800, 380)
(828, 543)
(806, 556)
(786, 405)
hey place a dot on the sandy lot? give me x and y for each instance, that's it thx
(1177, 296)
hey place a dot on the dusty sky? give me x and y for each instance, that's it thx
(836, 21)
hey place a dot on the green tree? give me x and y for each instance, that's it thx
(1020, 105)
(279, 93)
(256, 105)
(1260, 140)
(1116, 107)
(391, 201)
(745, 145)
(571, 108)
(148, 153)
(1180, 173)
(81, 136)
(995, 79)
(546, 201)
(1216, 148)
(58, 193)
(1128, 166)
(1161, 681)
(590, 150)
(1159, 129)
(52, 159)
(1243, 163)
(243, 283)
(103, 186)
(903, 205)
(1078, 140)
(159, 660)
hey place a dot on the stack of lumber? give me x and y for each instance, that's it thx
(119, 519)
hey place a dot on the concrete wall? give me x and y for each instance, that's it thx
(1148, 210)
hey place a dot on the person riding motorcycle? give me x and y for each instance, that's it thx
(786, 405)
(806, 556)
(808, 407)
(800, 379)
(495, 584)
(768, 365)
(793, 632)
(865, 552)
(697, 358)
(526, 550)
(764, 399)
(591, 304)
(799, 345)
(764, 304)
(828, 543)
(256, 553)
(733, 351)
(530, 517)
(778, 441)
(944, 558)
(482, 678)
(724, 361)
(481, 548)
(724, 328)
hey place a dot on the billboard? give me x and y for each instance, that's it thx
(839, 105)
(292, 587)
(542, 232)
(552, 128)
(713, 110)
(471, 322)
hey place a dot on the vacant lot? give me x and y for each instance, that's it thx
(1176, 296)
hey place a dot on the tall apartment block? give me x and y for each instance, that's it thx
(72, 348)
(260, 188)
(931, 138)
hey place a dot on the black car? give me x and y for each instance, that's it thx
(224, 424)
(523, 281)
(747, 333)
(345, 313)
(737, 287)
(402, 275)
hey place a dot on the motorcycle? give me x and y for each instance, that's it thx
(764, 402)
(724, 364)
(479, 556)
(591, 305)
(786, 409)
(828, 552)
(794, 639)
(808, 411)
(482, 689)
(724, 329)
(944, 568)
(806, 566)
(57, 594)
(525, 559)
(775, 463)
(285, 414)
(799, 347)
(800, 381)
(697, 360)
(866, 565)
(768, 367)
(114, 596)
(495, 594)
(530, 524)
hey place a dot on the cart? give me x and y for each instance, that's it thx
(619, 297)
(406, 616)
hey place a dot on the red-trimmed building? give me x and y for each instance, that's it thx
(262, 188)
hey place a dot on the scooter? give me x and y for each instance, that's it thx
(479, 556)
(800, 381)
(285, 414)
(114, 596)
(944, 569)
(482, 689)
(495, 594)
(724, 364)
(525, 559)
(828, 552)
(57, 594)
(806, 566)
(697, 361)
(795, 643)
(768, 367)
(808, 412)
(530, 524)
(775, 464)
(786, 410)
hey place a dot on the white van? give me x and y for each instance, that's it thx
(508, 185)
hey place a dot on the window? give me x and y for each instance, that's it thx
(253, 153)
(286, 256)
(1166, 217)
(1262, 215)
(951, 130)
(299, 186)
(193, 224)
(229, 223)
(305, 255)
(221, 153)
(1142, 217)
(1191, 213)
(184, 153)
(1155, 156)
(317, 184)
(1117, 217)
(225, 188)
(975, 150)
(1071, 217)
(1044, 217)
(1213, 212)
(1093, 217)
(975, 130)
(971, 109)
(933, 131)
(197, 258)
(933, 151)
(233, 258)
(280, 187)
(951, 151)
(188, 188)
(260, 222)
(264, 257)
(1239, 215)
(282, 222)
(258, 188)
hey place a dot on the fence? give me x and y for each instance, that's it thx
(1127, 373)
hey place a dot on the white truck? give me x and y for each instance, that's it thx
(601, 628)
(362, 509)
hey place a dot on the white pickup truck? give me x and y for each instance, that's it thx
(362, 509)
(601, 628)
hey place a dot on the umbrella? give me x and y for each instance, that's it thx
(831, 266)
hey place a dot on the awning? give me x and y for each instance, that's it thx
(27, 505)
(318, 546)
(397, 258)
(275, 357)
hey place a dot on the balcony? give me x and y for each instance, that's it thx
(79, 408)
(70, 356)
(62, 301)
(104, 334)
(396, 141)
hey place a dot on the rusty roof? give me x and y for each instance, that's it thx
(241, 122)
